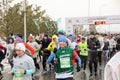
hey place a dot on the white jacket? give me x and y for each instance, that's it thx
(112, 68)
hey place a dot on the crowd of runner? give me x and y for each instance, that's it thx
(61, 52)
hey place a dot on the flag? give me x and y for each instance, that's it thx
(36, 21)
(55, 24)
(46, 23)
(59, 20)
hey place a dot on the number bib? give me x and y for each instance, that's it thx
(83, 51)
(64, 62)
(18, 75)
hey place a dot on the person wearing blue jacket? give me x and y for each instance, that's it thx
(65, 58)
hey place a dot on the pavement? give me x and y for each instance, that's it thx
(82, 75)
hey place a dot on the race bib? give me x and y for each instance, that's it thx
(64, 62)
(18, 75)
(83, 51)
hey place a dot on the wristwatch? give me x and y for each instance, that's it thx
(25, 72)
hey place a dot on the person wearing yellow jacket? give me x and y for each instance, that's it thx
(52, 44)
(50, 48)
(83, 52)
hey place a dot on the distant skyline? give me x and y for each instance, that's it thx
(78, 8)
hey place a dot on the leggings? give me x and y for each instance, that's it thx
(84, 61)
(99, 57)
(71, 78)
(93, 60)
(36, 64)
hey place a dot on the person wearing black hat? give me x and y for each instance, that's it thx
(45, 53)
(93, 45)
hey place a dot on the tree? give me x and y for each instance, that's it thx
(93, 28)
(14, 21)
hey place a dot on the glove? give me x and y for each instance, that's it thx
(55, 50)
(45, 50)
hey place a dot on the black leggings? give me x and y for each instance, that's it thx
(36, 64)
(93, 59)
(99, 57)
(45, 57)
(66, 79)
(84, 61)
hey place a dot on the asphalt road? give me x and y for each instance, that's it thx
(77, 75)
(51, 76)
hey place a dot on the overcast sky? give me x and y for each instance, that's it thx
(78, 8)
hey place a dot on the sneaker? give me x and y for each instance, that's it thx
(50, 70)
(90, 75)
(96, 74)
(43, 71)
(100, 67)
(84, 71)
(1, 76)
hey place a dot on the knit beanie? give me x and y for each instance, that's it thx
(20, 46)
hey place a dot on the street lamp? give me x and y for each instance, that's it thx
(25, 20)
(89, 13)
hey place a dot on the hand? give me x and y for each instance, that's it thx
(22, 71)
(95, 46)
(9, 73)
(55, 50)
(100, 49)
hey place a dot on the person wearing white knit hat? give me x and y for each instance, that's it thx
(23, 65)
(20, 46)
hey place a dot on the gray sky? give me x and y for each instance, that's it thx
(79, 8)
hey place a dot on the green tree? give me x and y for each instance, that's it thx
(14, 21)
(93, 28)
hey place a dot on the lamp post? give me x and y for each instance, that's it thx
(89, 14)
(25, 20)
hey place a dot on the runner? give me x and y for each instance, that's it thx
(10, 47)
(51, 47)
(23, 64)
(98, 36)
(93, 45)
(2, 55)
(62, 33)
(36, 47)
(118, 44)
(73, 43)
(112, 43)
(29, 50)
(112, 68)
(106, 50)
(45, 53)
(79, 39)
(83, 47)
(65, 58)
